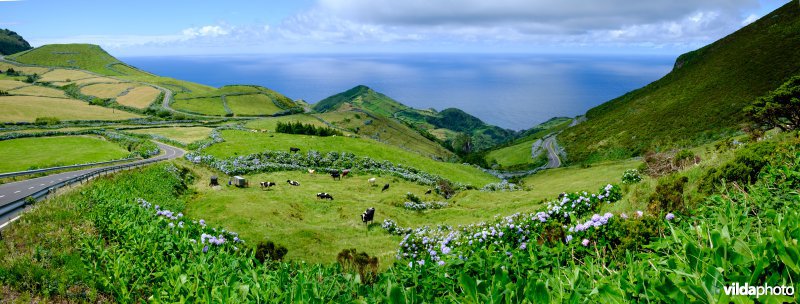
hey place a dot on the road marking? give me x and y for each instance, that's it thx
(30, 187)
(41, 184)
(9, 222)
(2, 196)
(16, 191)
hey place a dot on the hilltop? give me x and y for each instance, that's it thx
(11, 42)
(444, 126)
(700, 100)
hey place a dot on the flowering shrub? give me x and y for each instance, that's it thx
(631, 176)
(419, 206)
(392, 228)
(501, 186)
(272, 161)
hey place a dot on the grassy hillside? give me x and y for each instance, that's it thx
(11, 42)
(516, 155)
(700, 100)
(444, 125)
(243, 143)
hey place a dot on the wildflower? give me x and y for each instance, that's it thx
(205, 249)
(171, 225)
(569, 238)
(421, 262)
(523, 246)
(639, 213)
(670, 216)
(624, 216)
(410, 264)
(585, 242)
(441, 263)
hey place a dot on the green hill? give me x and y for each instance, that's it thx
(444, 125)
(11, 42)
(699, 100)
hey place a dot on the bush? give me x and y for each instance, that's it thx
(743, 169)
(668, 196)
(665, 163)
(360, 262)
(32, 78)
(49, 121)
(270, 251)
(779, 108)
(445, 188)
(631, 176)
(411, 197)
(4, 93)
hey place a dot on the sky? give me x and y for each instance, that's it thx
(157, 28)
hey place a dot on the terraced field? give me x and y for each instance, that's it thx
(106, 90)
(65, 75)
(6, 84)
(27, 70)
(28, 108)
(252, 105)
(43, 152)
(39, 91)
(272, 122)
(139, 97)
(206, 106)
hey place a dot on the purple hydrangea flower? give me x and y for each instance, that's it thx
(585, 242)
(205, 249)
(670, 216)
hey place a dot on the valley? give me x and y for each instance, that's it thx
(240, 194)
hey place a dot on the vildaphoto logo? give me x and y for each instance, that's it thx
(751, 290)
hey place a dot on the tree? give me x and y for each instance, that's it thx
(779, 108)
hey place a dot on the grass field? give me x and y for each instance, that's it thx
(251, 105)
(313, 229)
(38, 91)
(242, 143)
(23, 153)
(512, 155)
(25, 70)
(28, 108)
(84, 56)
(65, 75)
(6, 84)
(87, 81)
(106, 90)
(185, 135)
(272, 122)
(551, 182)
(139, 97)
(207, 106)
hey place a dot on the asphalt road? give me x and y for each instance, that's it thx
(553, 161)
(11, 192)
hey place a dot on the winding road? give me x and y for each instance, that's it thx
(553, 161)
(13, 192)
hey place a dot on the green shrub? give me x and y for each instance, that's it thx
(411, 197)
(743, 169)
(631, 176)
(270, 251)
(49, 121)
(4, 93)
(668, 196)
(307, 129)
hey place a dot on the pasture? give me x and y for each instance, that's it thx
(205, 106)
(87, 81)
(243, 143)
(65, 75)
(25, 70)
(106, 90)
(28, 108)
(551, 182)
(42, 152)
(184, 135)
(139, 97)
(34, 90)
(513, 155)
(314, 229)
(252, 105)
(7, 84)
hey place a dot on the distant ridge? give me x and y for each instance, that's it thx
(700, 100)
(11, 42)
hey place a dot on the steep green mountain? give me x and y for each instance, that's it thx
(11, 42)
(699, 100)
(443, 126)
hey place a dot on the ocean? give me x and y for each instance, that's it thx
(512, 91)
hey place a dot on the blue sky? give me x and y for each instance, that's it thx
(356, 26)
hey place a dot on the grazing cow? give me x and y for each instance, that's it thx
(310, 171)
(345, 172)
(266, 185)
(368, 215)
(428, 192)
(293, 183)
(372, 181)
(293, 149)
(324, 195)
(336, 175)
(385, 187)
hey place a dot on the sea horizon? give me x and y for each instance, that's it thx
(513, 91)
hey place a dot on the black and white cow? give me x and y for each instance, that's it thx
(368, 215)
(293, 183)
(266, 185)
(325, 195)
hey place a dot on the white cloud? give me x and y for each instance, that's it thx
(205, 31)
